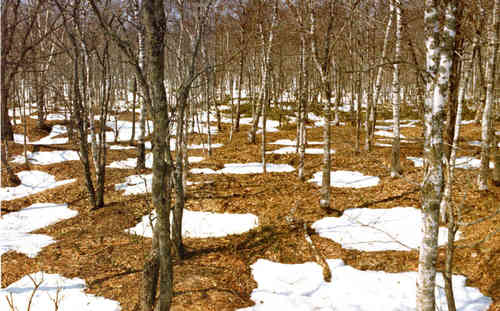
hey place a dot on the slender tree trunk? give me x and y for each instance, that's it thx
(134, 101)
(370, 116)
(240, 85)
(446, 202)
(486, 125)
(179, 168)
(454, 79)
(141, 148)
(396, 169)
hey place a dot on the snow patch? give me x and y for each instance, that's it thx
(202, 224)
(245, 168)
(347, 179)
(48, 157)
(368, 229)
(300, 287)
(14, 227)
(31, 182)
(71, 293)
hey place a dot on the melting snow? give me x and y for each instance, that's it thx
(387, 134)
(461, 162)
(203, 224)
(50, 140)
(132, 162)
(287, 150)
(14, 227)
(347, 179)
(300, 287)
(31, 182)
(48, 157)
(71, 295)
(245, 168)
(368, 229)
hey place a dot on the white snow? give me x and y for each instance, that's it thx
(245, 168)
(71, 295)
(461, 162)
(465, 122)
(288, 150)
(300, 287)
(132, 162)
(14, 227)
(368, 229)
(48, 157)
(136, 184)
(476, 143)
(31, 182)
(120, 147)
(204, 146)
(202, 171)
(347, 179)
(50, 140)
(387, 134)
(203, 224)
(288, 142)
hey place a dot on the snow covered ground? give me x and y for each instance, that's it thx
(48, 140)
(368, 229)
(387, 134)
(15, 227)
(461, 162)
(245, 168)
(347, 179)
(31, 182)
(288, 142)
(300, 287)
(202, 224)
(48, 157)
(69, 292)
(131, 162)
(288, 150)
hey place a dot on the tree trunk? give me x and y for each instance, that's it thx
(370, 116)
(396, 169)
(155, 34)
(141, 149)
(486, 125)
(432, 184)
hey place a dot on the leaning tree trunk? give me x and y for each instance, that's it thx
(486, 126)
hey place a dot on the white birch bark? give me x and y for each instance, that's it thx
(486, 124)
(323, 70)
(396, 169)
(433, 171)
(141, 148)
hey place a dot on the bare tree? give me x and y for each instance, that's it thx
(486, 124)
(396, 169)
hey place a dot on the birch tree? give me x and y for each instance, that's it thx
(438, 64)
(372, 106)
(486, 124)
(396, 169)
(323, 66)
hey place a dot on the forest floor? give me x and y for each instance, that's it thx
(216, 273)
